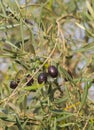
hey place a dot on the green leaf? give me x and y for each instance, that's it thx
(87, 47)
(61, 100)
(18, 123)
(22, 64)
(67, 124)
(67, 75)
(25, 103)
(55, 124)
(18, 43)
(11, 44)
(33, 87)
(65, 117)
(2, 7)
(22, 33)
(84, 96)
(2, 15)
(25, 122)
(60, 112)
(19, 74)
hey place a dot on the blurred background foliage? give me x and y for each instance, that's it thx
(33, 35)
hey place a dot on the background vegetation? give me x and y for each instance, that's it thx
(33, 36)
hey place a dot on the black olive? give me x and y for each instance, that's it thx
(42, 78)
(29, 80)
(52, 71)
(13, 84)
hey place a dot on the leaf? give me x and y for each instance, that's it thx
(34, 87)
(14, 107)
(2, 7)
(55, 124)
(64, 117)
(22, 33)
(67, 124)
(60, 112)
(18, 123)
(87, 47)
(61, 100)
(21, 99)
(19, 74)
(2, 15)
(11, 44)
(49, 4)
(25, 103)
(67, 75)
(25, 122)
(22, 64)
(84, 96)
(18, 43)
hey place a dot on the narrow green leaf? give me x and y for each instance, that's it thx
(11, 44)
(87, 47)
(25, 103)
(19, 74)
(2, 15)
(18, 43)
(25, 122)
(18, 123)
(55, 124)
(60, 112)
(22, 33)
(22, 64)
(67, 75)
(64, 117)
(84, 96)
(2, 7)
(61, 100)
(67, 124)
(33, 87)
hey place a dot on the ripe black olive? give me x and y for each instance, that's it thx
(29, 80)
(42, 78)
(13, 84)
(52, 71)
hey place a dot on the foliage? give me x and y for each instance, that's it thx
(33, 36)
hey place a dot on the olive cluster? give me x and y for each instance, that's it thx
(29, 81)
(52, 71)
